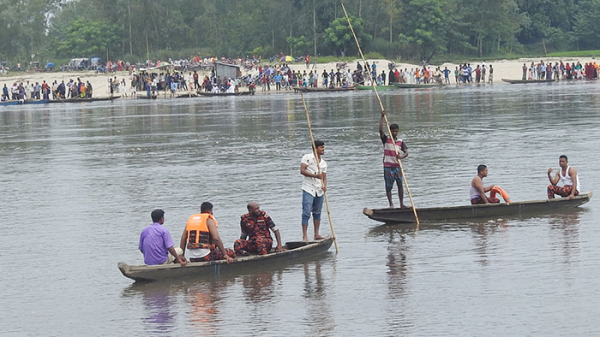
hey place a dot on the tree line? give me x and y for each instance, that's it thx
(410, 29)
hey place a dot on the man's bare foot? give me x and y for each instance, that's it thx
(404, 206)
(391, 206)
(319, 237)
(305, 239)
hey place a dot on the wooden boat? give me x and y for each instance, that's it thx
(416, 86)
(478, 212)
(322, 89)
(526, 81)
(293, 251)
(379, 87)
(186, 96)
(210, 94)
(43, 101)
(80, 100)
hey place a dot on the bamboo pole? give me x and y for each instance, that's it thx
(374, 84)
(312, 141)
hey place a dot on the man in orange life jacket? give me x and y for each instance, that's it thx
(255, 226)
(391, 166)
(202, 239)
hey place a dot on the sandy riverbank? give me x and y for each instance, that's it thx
(509, 69)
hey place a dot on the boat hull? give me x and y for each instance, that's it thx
(297, 250)
(379, 87)
(478, 212)
(81, 100)
(322, 89)
(416, 86)
(210, 94)
(526, 81)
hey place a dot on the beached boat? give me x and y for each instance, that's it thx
(241, 264)
(522, 209)
(526, 81)
(379, 87)
(186, 96)
(43, 101)
(416, 86)
(322, 89)
(80, 100)
(217, 94)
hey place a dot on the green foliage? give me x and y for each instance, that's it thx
(374, 55)
(87, 39)
(580, 53)
(587, 24)
(339, 36)
(414, 29)
(389, 50)
(426, 29)
(299, 45)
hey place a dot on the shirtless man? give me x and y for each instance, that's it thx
(569, 178)
(477, 193)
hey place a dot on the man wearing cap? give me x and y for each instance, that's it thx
(156, 243)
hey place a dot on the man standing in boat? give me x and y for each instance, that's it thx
(567, 176)
(201, 237)
(391, 157)
(477, 192)
(256, 236)
(156, 243)
(314, 186)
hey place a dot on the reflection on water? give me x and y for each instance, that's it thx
(567, 226)
(204, 299)
(318, 311)
(106, 166)
(160, 311)
(481, 233)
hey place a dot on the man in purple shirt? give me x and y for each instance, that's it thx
(156, 243)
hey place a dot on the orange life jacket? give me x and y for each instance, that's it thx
(198, 235)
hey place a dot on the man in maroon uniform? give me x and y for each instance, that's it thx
(255, 237)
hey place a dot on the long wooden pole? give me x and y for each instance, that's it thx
(374, 84)
(318, 159)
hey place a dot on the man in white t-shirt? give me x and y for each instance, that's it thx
(313, 188)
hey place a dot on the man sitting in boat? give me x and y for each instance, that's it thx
(478, 191)
(567, 176)
(156, 243)
(201, 237)
(256, 236)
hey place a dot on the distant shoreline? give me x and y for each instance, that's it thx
(508, 69)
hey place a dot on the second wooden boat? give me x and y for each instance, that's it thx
(478, 212)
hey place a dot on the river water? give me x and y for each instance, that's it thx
(79, 182)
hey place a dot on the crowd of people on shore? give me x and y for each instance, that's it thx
(283, 77)
(22, 91)
(559, 71)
